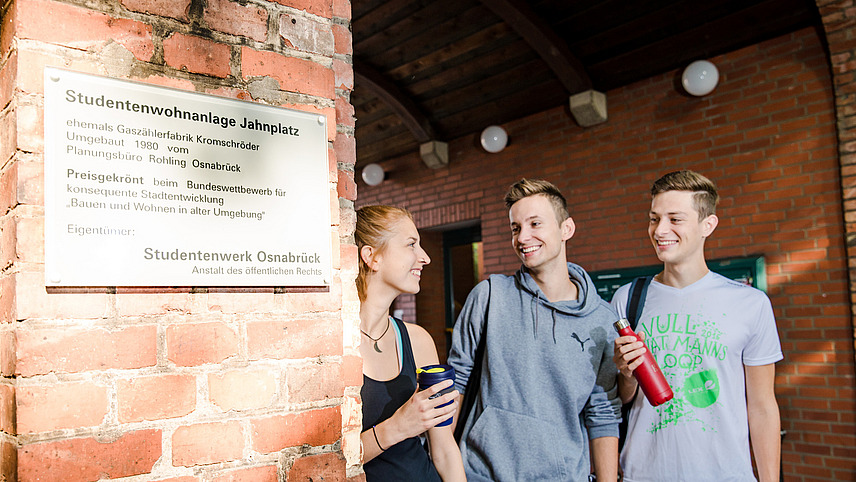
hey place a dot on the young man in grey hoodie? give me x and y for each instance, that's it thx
(548, 386)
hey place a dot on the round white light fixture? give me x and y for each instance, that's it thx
(373, 174)
(494, 139)
(700, 78)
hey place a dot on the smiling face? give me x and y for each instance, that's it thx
(537, 236)
(675, 229)
(400, 263)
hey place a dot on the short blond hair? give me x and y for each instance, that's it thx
(533, 187)
(705, 196)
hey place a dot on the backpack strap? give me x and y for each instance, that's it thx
(474, 382)
(635, 302)
(636, 299)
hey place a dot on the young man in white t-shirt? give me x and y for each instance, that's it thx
(715, 340)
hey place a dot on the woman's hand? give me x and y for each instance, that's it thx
(627, 354)
(420, 413)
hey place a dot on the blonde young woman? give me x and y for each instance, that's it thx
(394, 413)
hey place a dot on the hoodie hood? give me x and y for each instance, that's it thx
(586, 303)
(587, 300)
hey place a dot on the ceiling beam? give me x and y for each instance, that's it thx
(520, 17)
(392, 96)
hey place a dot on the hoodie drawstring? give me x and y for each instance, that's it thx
(554, 324)
(533, 305)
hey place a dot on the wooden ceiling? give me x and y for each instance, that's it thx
(443, 69)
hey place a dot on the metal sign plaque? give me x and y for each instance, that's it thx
(150, 186)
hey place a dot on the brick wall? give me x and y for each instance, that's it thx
(767, 135)
(183, 385)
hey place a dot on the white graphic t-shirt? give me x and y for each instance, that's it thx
(701, 336)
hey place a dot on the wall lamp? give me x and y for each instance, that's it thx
(493, 139)
(700, 78)
(373, 174)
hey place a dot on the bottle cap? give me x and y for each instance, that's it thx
(431, 374)
(621, 324)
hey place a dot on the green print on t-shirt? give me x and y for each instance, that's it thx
(702, 389)
(681, 346)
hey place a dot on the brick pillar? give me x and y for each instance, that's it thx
(176, 384)
(838, 18)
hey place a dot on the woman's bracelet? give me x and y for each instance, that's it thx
(374, 432)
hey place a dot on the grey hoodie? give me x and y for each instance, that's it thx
(548, 380)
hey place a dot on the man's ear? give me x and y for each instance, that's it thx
(568, 228)
(708, 224)
(367, 253)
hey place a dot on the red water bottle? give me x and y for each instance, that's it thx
(648, 374)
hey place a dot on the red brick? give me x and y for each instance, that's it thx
(346, 185)
(135, 303)
(242, 389)
(156, 398)
(237, 19)
(8, 73)
(294, 339)
(207, 443)
(318, 381)
(316, 301)
(8, 134)
(7, 409)
(335, 214)
(306, 34)
(344, 112)
(233, 93)
(30, 235)
(253, 474)
(181, 84)
(293, 75)
(176, 9)
(227, 300)
(70, 350)
(81, 28)
(86, 459)
(313, 427)
(8, 358)
(9, 239)
(315, 7)
(29, 180)
(317, 467)
(61, 406)
(344, 74)
(198, 55)
(33, 301)
(200, 343)
(341, 9)
(353, 413)
(7, 29)
(343, 40)
(346, 148)
(353, 371)
(8, 461)
(31, 127)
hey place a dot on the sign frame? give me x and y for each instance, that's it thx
(150, 186)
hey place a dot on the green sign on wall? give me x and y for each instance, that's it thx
(750, 270)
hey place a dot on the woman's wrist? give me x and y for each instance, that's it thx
(377, 440)
(382, 434)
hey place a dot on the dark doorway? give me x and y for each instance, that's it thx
(463, 268)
